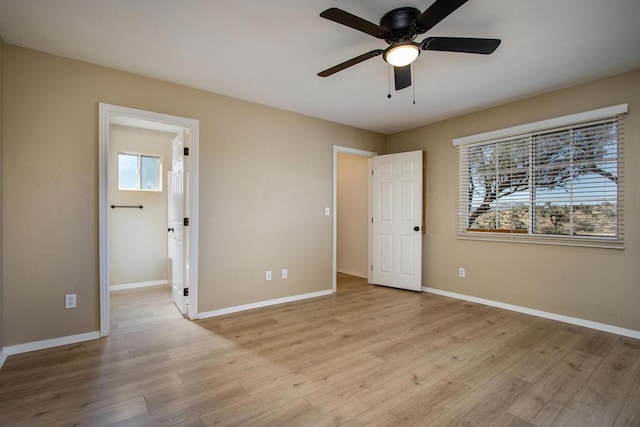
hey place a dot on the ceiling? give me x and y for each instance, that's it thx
(269, 52)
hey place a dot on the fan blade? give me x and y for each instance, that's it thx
(345, 18)
(439, 10)
(402, 76)
(349, 63)
(461, 44)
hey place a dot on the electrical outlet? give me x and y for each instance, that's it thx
(462, 273)
(285, 273)
(268, 275)
(327, 211)
(70, 301)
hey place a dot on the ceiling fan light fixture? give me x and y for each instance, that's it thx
(402, 54)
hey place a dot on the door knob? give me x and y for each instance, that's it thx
(170, 229)
(416, 228)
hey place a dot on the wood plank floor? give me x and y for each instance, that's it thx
(367, 356)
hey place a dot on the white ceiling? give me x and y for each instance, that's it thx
(270, 51)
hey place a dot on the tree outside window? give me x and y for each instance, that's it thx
(560, 182)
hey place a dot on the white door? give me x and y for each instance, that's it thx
(176, 230)
(171, 241)
(397, 220)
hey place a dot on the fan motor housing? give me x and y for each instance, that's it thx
(398, 22)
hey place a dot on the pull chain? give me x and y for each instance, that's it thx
(413, 70)
(389, 82)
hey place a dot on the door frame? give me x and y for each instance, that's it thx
(108, 114)
(337, 149)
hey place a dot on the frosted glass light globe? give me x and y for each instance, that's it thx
(402, 54)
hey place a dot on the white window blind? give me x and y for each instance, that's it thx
(555, 185)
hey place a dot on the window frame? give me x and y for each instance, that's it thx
(529, 130)
(139, 156)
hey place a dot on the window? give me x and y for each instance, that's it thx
(139, 172)
(557, 181)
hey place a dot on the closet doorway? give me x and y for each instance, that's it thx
(351, 227)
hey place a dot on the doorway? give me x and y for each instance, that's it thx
(354, 154)
(123, 116)
(138, 159)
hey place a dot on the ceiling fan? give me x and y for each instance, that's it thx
(399, 28)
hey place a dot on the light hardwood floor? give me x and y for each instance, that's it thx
(366, 356)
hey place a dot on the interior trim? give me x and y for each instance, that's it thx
(556, 122)
(138, 285)
(3, 356)
(107, 113)
(266, 303)
(44, 344)
(539, 313)
(353, 273)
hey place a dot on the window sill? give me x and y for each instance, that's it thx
(144, 190)
(512, 237)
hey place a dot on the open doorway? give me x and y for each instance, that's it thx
(351, 192)
(120, 119)
(139, 191)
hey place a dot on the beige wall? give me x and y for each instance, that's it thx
(2, 323)
(595, 284)
(265, 179)
(138, 237)
(352, 211)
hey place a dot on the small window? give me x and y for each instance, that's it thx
(139, 172)
(552, 185)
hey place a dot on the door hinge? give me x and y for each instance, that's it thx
(185, 222)
(186, 151)
(371, 172)
(371, 220)
(185, 292)
(371, 267)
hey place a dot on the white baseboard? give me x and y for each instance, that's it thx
(260, 304)
(353, 273)
(54, 342)
(138, 285)
(539, 313)
(3, 356)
